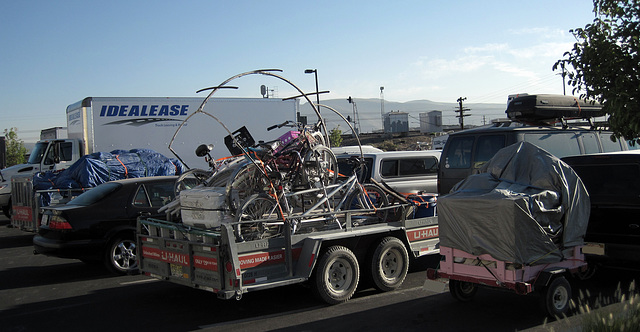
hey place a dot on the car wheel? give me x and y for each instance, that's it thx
(461, 290)
(389, 264)
(336, 275)
(121, 256)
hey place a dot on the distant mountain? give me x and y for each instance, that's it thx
(369, 111)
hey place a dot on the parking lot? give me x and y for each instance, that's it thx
(40, 293)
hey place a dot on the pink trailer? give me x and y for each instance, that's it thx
(465, 272)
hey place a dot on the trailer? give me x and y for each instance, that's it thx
(464, 273)
(280, 212)
(516, 225)
(332, 260)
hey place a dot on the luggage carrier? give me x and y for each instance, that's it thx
(465, 272)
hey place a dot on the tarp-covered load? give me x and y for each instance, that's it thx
(100, 167)
(525, 206)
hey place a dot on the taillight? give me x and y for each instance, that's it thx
(57, 222)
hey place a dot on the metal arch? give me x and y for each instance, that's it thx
(267, 72)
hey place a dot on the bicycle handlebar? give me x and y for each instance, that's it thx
(279, 125)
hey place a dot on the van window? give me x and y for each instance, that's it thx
(409, 166)
(487, 147)
(608, 145)
(459, 152)
(590, 143)
(558, 144)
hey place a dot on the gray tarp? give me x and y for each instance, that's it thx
(525, 206)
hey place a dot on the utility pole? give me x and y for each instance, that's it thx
(461, 111)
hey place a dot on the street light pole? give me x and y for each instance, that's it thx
(315, 72)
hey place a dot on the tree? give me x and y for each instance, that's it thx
(335, 136)
(605, 64)
(15, 147)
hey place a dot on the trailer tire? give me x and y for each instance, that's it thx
(556, 298)
(336, 275)
(389, 264)
(120, 256)
(462, 291)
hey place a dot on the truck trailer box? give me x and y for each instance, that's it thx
(109, 123)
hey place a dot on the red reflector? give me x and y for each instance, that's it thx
(229, 267)
(59, 225)
(313, 256)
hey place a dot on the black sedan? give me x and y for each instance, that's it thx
(100, 224)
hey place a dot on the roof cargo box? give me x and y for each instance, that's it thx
(544, 108)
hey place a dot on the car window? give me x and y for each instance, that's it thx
(95, 194)
(558, 144)
(487, 147)
(459, 152)
(160, 193)
(389, 168)
(141, 199)
(409, 166)
(590, 143)
(346, 169)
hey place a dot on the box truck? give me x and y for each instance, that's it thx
(104, 124)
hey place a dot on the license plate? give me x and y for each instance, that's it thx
(593, 248)
(176, 270)
(45, 220)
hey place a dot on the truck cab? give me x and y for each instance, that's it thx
(47, 155)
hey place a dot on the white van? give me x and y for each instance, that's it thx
(405, 171)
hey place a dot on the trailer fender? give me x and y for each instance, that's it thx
(545, 277)
(308, 257)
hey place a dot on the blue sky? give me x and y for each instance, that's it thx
(55, 53)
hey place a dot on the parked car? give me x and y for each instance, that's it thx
(405, 171)
(613, 183)
(100, 224)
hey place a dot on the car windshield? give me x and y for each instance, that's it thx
(95, 194)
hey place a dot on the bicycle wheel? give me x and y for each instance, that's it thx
(320, 166)
(372, 198)
(191, 178)
(260, 207)
(247, 180)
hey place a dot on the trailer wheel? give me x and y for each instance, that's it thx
(121, 255)
(462, 291)
(389, 264)
(556, 297)
(336, 275)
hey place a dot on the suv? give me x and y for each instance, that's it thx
(466, 151)
(613, 183)
(407, 172)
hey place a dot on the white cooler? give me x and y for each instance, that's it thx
(203, 207)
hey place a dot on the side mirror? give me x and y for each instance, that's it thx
(204, 150)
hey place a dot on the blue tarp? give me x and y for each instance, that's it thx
(100, 167)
